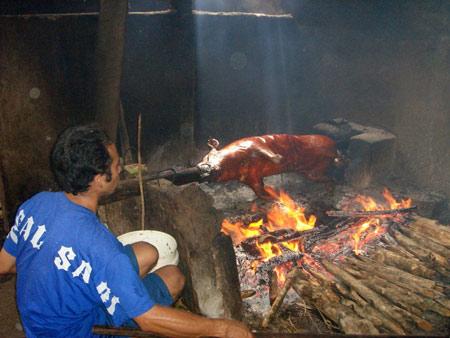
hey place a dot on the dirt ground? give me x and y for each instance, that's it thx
(9, 317)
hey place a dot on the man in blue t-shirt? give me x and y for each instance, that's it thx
(72, 273)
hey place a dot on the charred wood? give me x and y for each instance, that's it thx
(266, 266)
(371, 213)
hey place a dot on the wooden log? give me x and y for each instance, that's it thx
(404, 298)
(426, 242)
(359, 305)
(366, 310)
(411, 287)
(428, 256)
(395, 246)
(371, 213)
(431, 229)
(328, 303)
(274, 287)
(402, 276)
(407, 320)
(280, 297)
(408, 264)
(377, 319)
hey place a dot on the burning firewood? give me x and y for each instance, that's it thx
(394, 284)
(268, 265)
(371, 213)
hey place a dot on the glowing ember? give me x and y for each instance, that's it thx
(281, 271)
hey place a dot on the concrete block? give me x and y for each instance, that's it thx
(371, 157)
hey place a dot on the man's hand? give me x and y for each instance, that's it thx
(235, 329)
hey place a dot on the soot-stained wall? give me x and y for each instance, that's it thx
(46, 85)
(383, 65)
(47, 79)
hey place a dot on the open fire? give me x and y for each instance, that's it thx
(285, 215)
(370, 267)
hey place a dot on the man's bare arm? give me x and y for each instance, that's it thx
(7, 262)
(177, 323)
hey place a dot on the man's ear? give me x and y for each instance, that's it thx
(97, 181)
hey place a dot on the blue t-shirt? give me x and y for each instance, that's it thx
(71, 270)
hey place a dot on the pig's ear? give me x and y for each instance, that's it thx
(213, 143)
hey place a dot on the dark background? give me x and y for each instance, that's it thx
(379, 63)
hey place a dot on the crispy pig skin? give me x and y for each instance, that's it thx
(251, 159)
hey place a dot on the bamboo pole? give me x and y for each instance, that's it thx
(141, 184)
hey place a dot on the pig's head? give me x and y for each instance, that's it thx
(211, 161)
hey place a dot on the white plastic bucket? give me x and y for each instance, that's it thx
(164, 243)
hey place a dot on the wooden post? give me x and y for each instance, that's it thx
(109, 58)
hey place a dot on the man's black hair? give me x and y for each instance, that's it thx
(78, 155)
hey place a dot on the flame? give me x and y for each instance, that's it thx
(369, 204)
(283, 214)
(292, 245)
(286, 214)
(268, 250)
(281, 272)
(239, 232)
(366, 232)
(393, 204)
